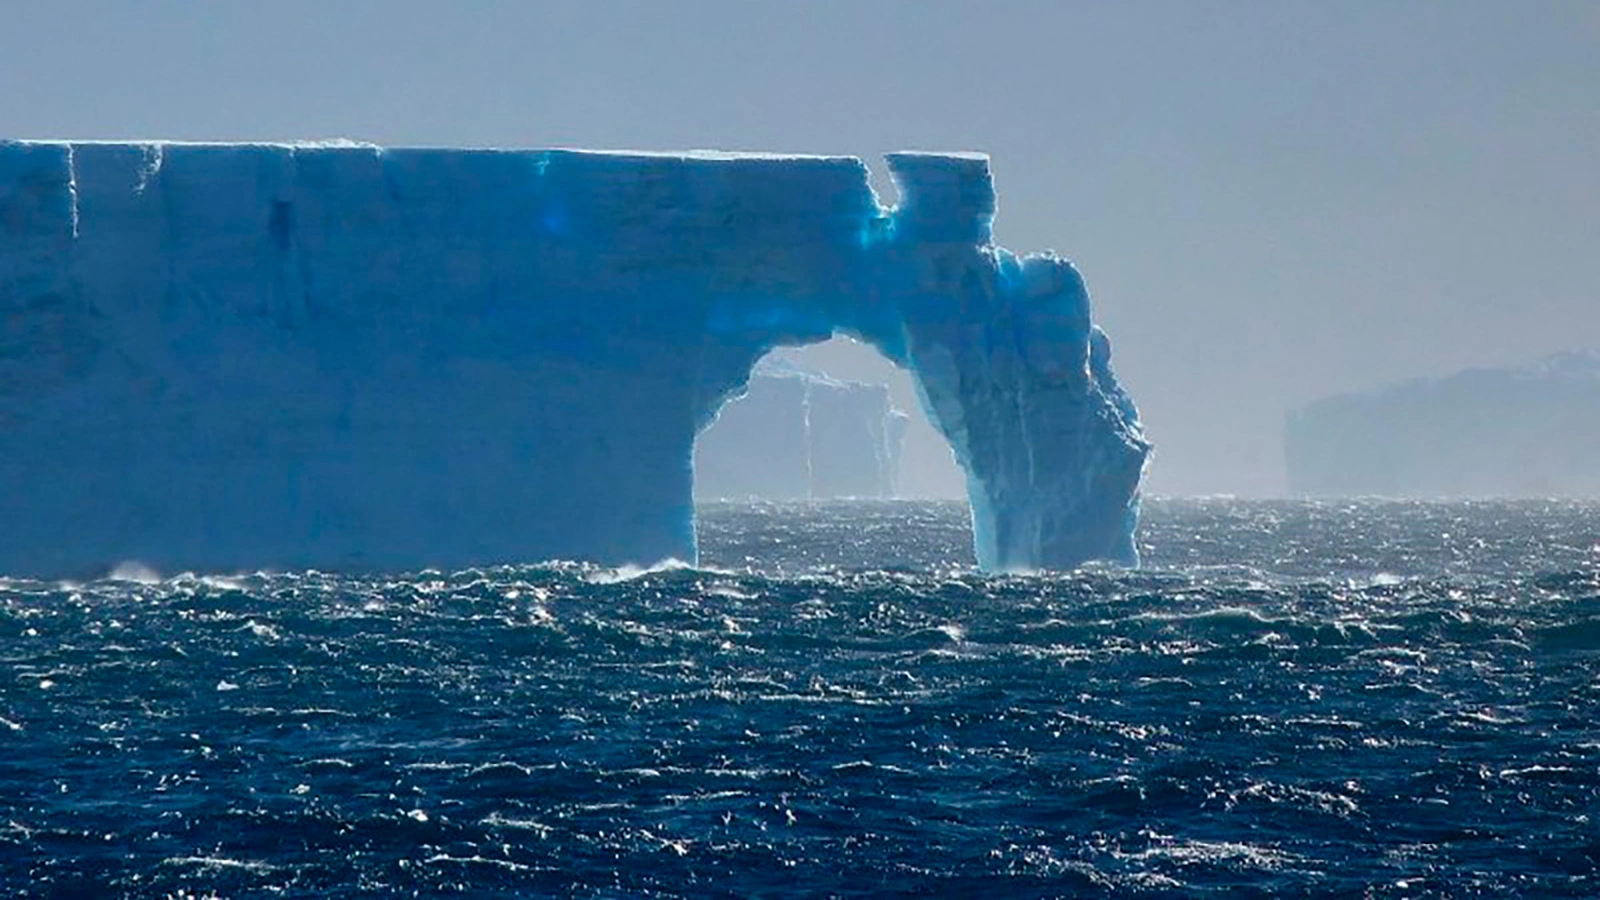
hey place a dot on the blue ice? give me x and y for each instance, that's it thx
(229, 356)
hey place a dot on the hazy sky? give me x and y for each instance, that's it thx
(1271, 201)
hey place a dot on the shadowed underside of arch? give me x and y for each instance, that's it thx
(255, 356)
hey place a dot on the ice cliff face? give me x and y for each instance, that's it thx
(242, 356)
(800, 435)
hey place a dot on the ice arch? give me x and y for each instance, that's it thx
(237, 356)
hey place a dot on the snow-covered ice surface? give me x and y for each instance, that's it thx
(218, 356)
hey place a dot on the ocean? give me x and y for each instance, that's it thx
(1290, 698)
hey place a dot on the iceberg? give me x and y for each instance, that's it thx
(1517, 431)
(798, 434)
(341, 356)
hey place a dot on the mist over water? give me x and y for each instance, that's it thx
(1338, 698)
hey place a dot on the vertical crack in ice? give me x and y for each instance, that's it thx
(154, 155)
(1027, 436)
(302, 263)
(72, 186)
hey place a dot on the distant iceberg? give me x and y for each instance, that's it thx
(233, 356)
(798, 434)
(1531, 431)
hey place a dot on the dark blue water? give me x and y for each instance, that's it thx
(1302, 699)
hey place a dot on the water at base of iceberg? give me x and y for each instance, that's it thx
(1293, 698)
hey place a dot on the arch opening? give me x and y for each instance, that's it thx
(826, 421)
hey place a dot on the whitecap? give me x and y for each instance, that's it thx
(132, 570)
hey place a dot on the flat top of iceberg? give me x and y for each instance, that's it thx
(705, 154)
(965, 155)
(306, 143)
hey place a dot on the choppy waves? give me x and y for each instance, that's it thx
(1249, 717)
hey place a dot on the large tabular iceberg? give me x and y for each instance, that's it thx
(241, 356)
(1522, 431)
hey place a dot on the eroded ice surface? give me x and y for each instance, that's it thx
(342, 356)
